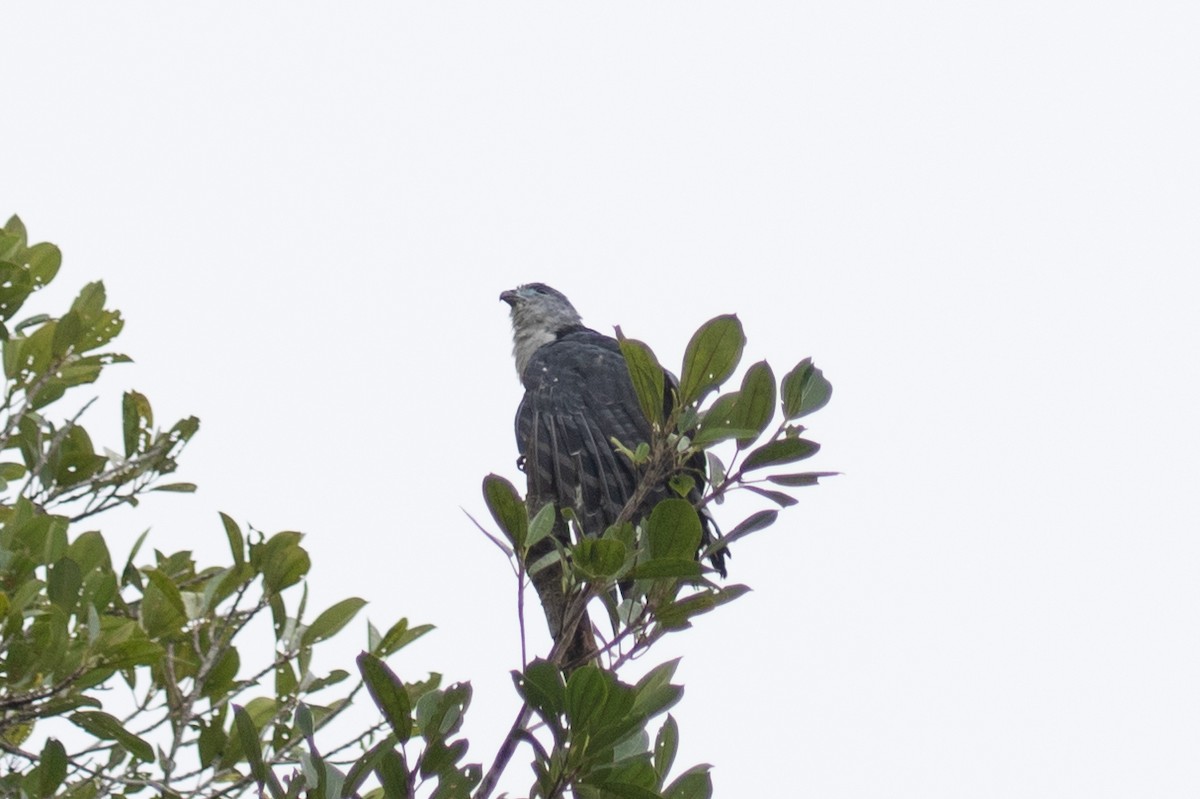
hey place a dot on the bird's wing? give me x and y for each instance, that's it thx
(578, 398)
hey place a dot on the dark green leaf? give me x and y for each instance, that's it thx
(786, 450)
(332, 620)
(401, 635)
(587, 689)
(655, 692)
(43, 260)
(393, 776)
(625, 790)
(178, 488)
(90, 302)
(682, 484)
(541, 525)
(507, 509)
(802, 479)
(695, 783)
(647, 376)
(248, 735)
(212, 740)
(543, 688)
(666, 567)
(666, 744)
(677, 614)
(753, 523)
(673, 530)
(66, 579)
(370, 761)
(756, 402)
(282, 560)
(237, 544)
(51, 768)
(389, 694)
(66, 334)
(778, 497)
(440, 713)
(711, 356)
(105, 727)
(805, 390)
(599, 558)
(136, 420)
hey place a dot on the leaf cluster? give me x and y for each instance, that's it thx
(157, 663)
(648, 572)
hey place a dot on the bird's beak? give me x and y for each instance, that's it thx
(509, 296)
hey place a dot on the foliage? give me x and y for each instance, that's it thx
(148, 662)
(644, 572)
(163, 676)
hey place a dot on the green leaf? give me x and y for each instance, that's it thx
(711, 356)
(695, 783)
(51, 768)
(332, 620)
(105, 727)
(62, 587)
(400, 636)
(43, 260)
(666, 567)
(753, 523)
(666, 745)
(655, 693)
(784, 450)
(90, 302)
(541, 525)
(212, 740)
(649, 382)
(676, 615)
(722, 421)
(220, 678)
(389, 694)
(805, 390)
(802, 479)
(393, 776)
(756, 402)
(507, 509)
(66, 334)
(673, 530)
(625, 790)
(237, 544)
(304, 720)
(599, 558)
(282, 560)
(171, 591)
(440, 713)
(587, 689)
(248, 735)
(370, 761)
(778, 497)
(178, 488)
(15, 287)
(543, 688)
(137, 419)
(682, 484)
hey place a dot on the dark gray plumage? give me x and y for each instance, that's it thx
(578, 397)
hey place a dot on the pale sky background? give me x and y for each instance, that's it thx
(981, 219)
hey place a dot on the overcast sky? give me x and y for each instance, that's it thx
(981, 219)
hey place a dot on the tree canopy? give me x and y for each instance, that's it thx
(147, 677)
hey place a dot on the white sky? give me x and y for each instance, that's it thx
(981, 219)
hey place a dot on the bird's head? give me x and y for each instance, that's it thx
(539, 315)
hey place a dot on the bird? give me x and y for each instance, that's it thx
(578, 398)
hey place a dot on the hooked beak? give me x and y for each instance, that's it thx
(509, 296)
